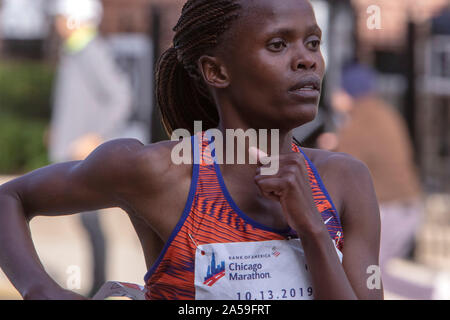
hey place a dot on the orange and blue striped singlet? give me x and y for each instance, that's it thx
(215, 250)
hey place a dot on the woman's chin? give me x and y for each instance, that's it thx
(301, 114)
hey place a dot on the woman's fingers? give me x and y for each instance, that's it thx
(269, 164)
(259, 156)
(270, 187)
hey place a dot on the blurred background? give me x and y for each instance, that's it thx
(386, 100)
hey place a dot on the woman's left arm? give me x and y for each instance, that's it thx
(358, 276)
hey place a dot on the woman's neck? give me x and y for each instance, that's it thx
(271, 141)
(234, 157)
(238, 134)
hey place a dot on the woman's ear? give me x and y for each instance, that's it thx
(213, 71)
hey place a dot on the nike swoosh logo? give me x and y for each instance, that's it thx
(328, 220)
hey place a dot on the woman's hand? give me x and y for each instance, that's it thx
(290, 186)
(331, 278)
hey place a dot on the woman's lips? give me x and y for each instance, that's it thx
(305, 93)
(307, 88)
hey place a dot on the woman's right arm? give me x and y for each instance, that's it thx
(103, 180)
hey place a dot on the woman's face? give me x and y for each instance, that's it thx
(274, 62)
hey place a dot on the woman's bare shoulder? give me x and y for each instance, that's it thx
(325, 160)
(138, 165)
(342, 174)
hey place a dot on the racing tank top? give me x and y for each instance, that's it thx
(216, 251)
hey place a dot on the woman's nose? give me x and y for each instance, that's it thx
(304, 60)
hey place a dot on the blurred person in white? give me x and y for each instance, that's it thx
(92, 102)
(374, 132)
(23, 19)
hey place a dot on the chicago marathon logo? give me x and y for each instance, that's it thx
(275, 252)
(215, 272)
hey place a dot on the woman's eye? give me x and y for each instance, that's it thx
(277, 46)
(315, 44)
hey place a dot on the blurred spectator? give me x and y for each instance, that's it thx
(374, 132)
(92, 101)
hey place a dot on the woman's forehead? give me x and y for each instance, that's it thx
(275, 9)
(262, 16)
(273, 6)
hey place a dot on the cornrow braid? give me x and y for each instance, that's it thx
(181, 92)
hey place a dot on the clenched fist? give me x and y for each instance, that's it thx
(290, 186)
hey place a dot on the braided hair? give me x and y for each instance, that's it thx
(181, 93)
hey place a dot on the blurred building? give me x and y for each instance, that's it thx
(138, 16)
(394, 21)
(411, 63)
(411, 51)
(433, 95)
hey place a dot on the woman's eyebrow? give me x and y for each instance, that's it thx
(314, 29)
(285, 31)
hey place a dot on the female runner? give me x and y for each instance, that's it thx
(220, 231)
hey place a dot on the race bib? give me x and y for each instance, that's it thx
(264, 270)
